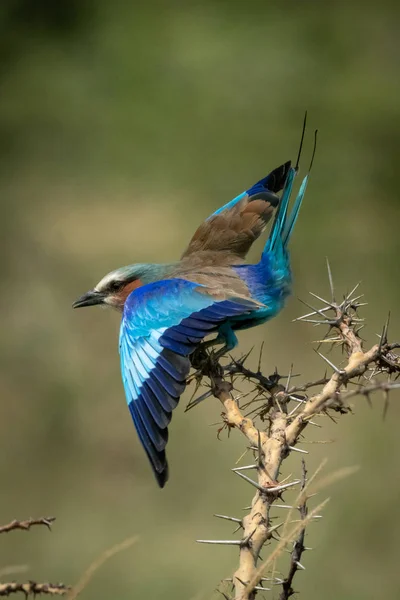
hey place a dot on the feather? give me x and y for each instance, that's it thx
(163, 323)
(235, 226)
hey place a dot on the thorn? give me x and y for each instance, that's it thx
(299, 565)
(315, 321)
(260, 357)
(279, 406)
(259, 448)
(298, 450)
(256, 485)
(197, 401)
(297, 399)
(267, 490)
(295, 408)
(348, 296)
(338, 371)
(383, 339)
(221, 542)
(307, 548)
(246, 468)
(313, 423)
(278, 488)
(282, 506)
(353, 300)
(228, 518)
(386, 403)
(316, 311)
(261, 589)
(237, 528)
(331, 340)
(245, 541)
(322, 300)
(289, 378)
(274, 528)
(330, 281)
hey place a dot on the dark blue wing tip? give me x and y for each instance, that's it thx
(162, 477)
(268, 186)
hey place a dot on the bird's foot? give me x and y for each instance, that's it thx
(199, 358)
(205, 363)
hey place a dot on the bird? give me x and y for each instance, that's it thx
(169, 309)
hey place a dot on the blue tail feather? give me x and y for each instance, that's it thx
(283, 225)
(280, 217)
(294, 213)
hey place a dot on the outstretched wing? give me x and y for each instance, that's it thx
(162, 324)
(236, 225)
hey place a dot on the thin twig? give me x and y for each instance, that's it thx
(27, 524)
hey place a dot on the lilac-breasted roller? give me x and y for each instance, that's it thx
(168, 309)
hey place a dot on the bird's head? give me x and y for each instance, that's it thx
(115, 287)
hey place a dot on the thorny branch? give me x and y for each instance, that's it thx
(285, 411)
(58, 589)
(33, 588)
(27, 524)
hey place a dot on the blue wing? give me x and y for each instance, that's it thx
(162, 324)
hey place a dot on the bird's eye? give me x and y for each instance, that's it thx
(115, 286)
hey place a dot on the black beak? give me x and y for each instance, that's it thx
(89, 299)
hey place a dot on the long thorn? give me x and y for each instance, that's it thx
(334, 367)
(260, 357)
(330, 305)
(197, 401)
(256, 485)
(274, 528)
(221, 542)
(259, 459)
(298, 450)
(319, 311)
(234, 519)
(260, 588)
(348, 296)
(330, 280)
(289, 378)
(277, 488)
(245, 468)
(383, 339)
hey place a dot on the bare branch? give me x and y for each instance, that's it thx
(27, 524)
(33, 588)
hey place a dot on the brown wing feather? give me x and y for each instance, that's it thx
(233, 230)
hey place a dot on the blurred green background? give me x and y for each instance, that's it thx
(121, 128)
